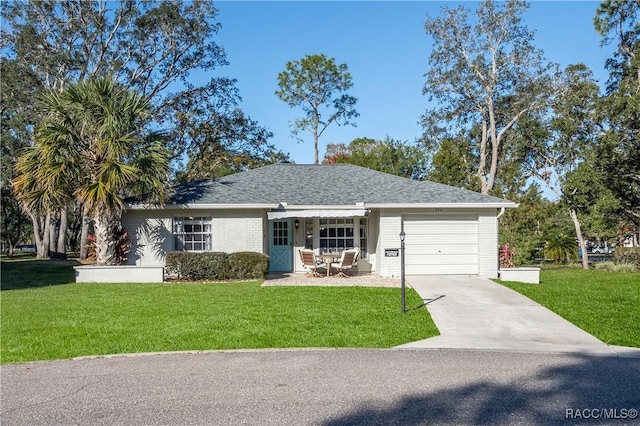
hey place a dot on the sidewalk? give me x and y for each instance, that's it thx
(477, 313)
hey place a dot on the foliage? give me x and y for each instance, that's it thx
(562, 159)
(616, 267)
(630, 255)
(602, 303)
(484, 76)
(561, 248)
(318, 86)
(247, 266)
(18, 87)
(226, 144)
(122, 247)
(14, 225)
(151, 47)
(92, 146)
(454, 164)
(197, 266)
(507, 255)
(618, 154)
(217, 265)
(389, 156)
(524, 229)
(101, 319)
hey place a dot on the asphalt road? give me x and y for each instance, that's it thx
(324, 387)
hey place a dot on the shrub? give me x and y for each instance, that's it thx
(506, 257)
(123, 246)
(627, 255)
(561, 248)
(247, 265)
(616, 267)
(217, 265)
(197, 266)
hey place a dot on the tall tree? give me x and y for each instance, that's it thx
(226, 144)
(485, 76)
(618, 157)
(18, 88)
(563, 160)
(318, 86)
(389, 156)
(149, 46)
(454, 164)
(92, 145)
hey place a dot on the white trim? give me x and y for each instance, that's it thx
(199, 206)
(283, 214)
(506, 204)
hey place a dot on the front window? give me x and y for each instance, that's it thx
(336, 235)
(192, 233)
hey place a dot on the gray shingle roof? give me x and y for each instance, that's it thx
(321, 185)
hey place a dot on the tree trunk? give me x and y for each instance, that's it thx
(40, 234)
(84, 234)
(62, 233)
(53, 225)
(105, 242)
(43, 249)
(583, 246)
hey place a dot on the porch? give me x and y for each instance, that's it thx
(304, 279)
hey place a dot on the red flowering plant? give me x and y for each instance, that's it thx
(506, 257)
(123, 247)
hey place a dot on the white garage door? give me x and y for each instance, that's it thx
(441, 244)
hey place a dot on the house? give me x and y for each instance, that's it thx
(281, 208)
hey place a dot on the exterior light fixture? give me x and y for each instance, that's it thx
(296, 223)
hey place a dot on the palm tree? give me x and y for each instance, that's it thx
(561, 248)
(92, 146)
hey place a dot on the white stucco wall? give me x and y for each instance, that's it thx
(488, 243)
(390, 226)
(152, 236)
(245, 230)
(389, 238)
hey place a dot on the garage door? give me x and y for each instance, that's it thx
(441, 244)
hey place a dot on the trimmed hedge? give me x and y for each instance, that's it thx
(247, 265)
(217, 265)
(627, 255)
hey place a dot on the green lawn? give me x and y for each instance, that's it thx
(41, 320)
(604, 304)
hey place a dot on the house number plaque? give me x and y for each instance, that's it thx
(392, 252)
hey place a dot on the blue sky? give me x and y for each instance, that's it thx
(386, 49)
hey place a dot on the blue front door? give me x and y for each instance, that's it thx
(280, 246)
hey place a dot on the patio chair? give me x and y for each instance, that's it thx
(347, 262)
(311, 263)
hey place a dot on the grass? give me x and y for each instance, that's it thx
(604, 304)
(26, 273)
(43, 321)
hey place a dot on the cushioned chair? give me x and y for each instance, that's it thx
(347, 262)
(311, 263)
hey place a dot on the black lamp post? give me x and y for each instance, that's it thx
(402, 283)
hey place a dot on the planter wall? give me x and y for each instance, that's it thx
(522, 275)
(119, 274)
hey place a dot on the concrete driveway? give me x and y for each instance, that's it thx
(477, 313)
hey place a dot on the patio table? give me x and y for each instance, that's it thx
(330, 258)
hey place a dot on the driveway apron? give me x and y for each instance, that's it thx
(477, 313)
